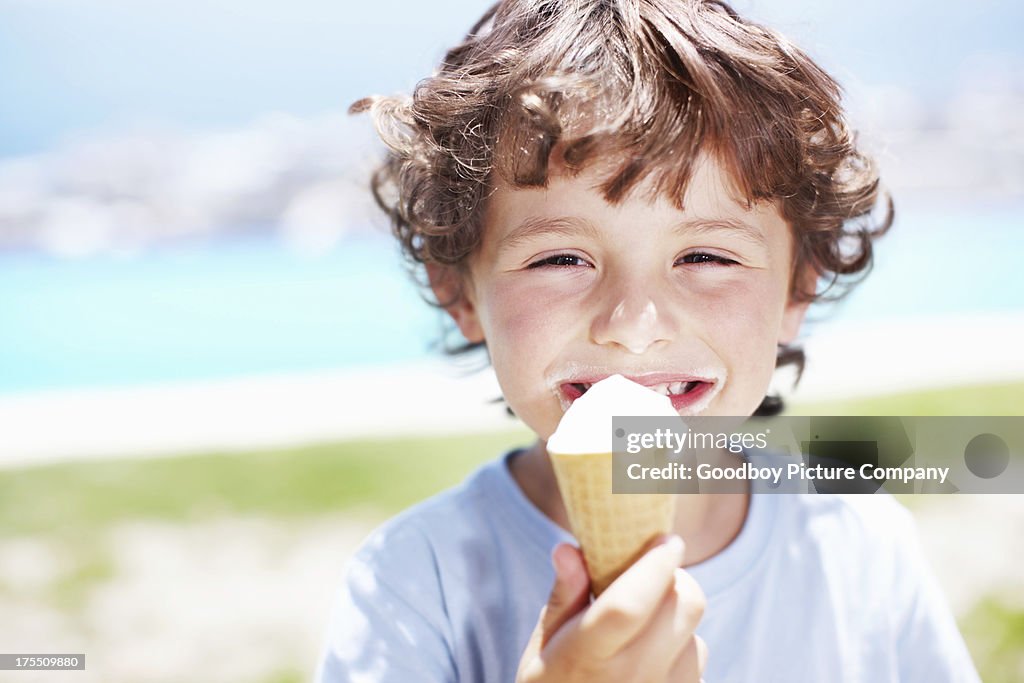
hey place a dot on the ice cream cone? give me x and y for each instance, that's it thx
(613, 529)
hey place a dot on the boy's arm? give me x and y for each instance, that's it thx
(383, 630)
(931, 649)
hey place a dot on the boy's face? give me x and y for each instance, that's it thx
(567, 289)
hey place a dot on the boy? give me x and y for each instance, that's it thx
(652, 188)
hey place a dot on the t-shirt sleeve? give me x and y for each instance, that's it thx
(388, 623)
(929, 641)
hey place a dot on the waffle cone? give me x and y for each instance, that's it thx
(613, 530)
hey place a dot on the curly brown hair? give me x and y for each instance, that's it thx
(652, 83)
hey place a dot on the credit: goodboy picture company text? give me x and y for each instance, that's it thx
(841, 454)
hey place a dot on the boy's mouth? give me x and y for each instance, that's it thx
(684, 392)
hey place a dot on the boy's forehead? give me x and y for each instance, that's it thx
(711, 195)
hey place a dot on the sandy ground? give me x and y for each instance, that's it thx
(238, 599)
(243, 599)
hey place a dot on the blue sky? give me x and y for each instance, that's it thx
(69, 68)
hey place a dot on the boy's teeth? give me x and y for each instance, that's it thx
(674, 388)
(665, 389)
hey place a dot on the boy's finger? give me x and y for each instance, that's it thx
(673, 626)
(569, 595)
(689, 666)
(630, 602)
(690, 602)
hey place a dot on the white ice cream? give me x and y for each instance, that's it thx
(586, 427)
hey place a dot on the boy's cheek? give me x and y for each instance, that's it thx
(751, 309)
(514, 307)
(744, 333)
(522, 312)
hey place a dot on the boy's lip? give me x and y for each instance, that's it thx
(690, 393)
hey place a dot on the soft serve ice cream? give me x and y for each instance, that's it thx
(612, 529)
(586, 427)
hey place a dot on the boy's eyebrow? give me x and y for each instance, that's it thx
(537, 226)
(737, 228)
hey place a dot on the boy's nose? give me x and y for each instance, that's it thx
(633, 321)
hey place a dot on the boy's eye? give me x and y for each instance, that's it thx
(704, 258)
(559, 260)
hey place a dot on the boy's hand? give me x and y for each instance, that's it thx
(640, 629)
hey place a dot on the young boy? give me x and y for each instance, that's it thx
(653, 188)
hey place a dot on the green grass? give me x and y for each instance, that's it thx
(989, 400)
(286, 676)
(378, 477)
(994, 630)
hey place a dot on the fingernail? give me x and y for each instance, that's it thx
(559, 564)
(675, 544)
(554, 560)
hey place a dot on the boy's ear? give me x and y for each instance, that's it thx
(450, 292)
(796, 309)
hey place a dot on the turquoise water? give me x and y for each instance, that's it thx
(937, 261)
(204, 312)
(241, 308)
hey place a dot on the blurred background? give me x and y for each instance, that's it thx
(215, 377)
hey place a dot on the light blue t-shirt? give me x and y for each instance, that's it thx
(815, 588)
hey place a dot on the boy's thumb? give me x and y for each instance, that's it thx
(569, 595)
